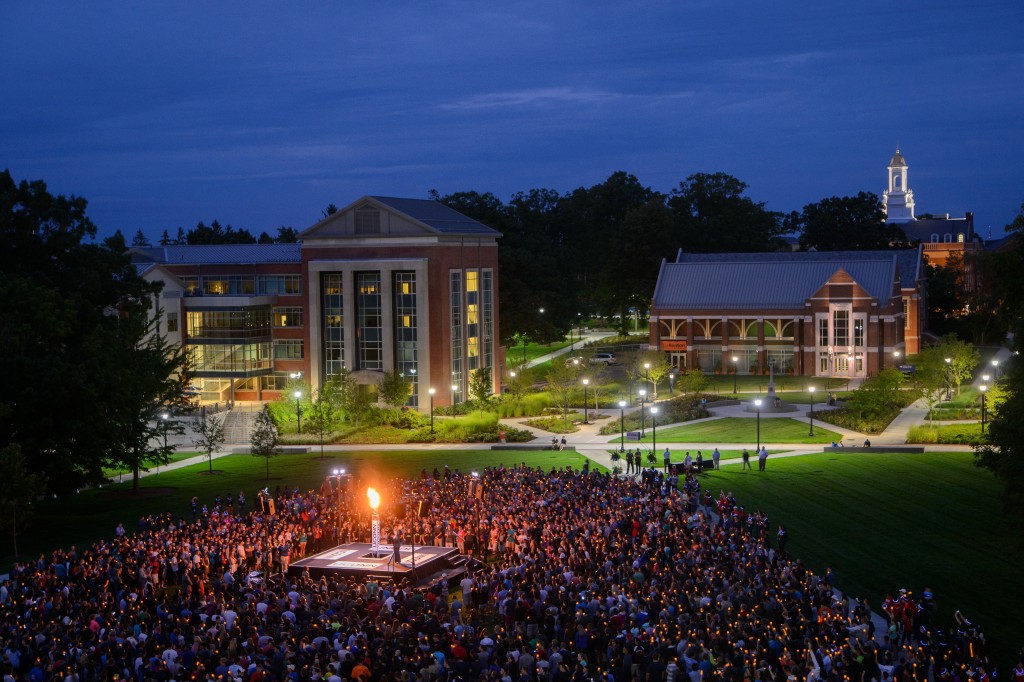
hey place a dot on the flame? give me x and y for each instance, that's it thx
(374, 497)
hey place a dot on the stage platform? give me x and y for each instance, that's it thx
(356, 559)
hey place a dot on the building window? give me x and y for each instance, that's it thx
(960, 238)
(947, 238)
(823, 332)
(276, 381)
(235, 359)
(935, 237)
(404, 284)
(287, 317)
(906, 314)
(229, 285)
(191, 285)
(333, 324)
(172, 322)
(840, 327)
(280, 285)
(487, 305)
(472, 320)
(367, 221)
(455, 310)
(224, 324)
(369, 331)
(858, 331)
(288, 349)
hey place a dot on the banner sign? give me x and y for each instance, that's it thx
(673, 344)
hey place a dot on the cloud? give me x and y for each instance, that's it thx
(548, 97)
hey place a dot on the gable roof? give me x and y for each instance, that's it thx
(910, 260)
(234, 254)
(436, 215)
(745, 283)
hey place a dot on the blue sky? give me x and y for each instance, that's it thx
(259, 114)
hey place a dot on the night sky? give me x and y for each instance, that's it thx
(259, 114)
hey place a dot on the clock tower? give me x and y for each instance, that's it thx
(898, 200)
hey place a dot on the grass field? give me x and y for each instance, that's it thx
(175, 457)
(744, 430)
(90, 515)
(890, 521)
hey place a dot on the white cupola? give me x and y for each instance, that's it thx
(898, 200)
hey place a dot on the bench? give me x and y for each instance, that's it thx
(531, 446)
(877, 448)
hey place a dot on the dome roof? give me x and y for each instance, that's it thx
(897, 160)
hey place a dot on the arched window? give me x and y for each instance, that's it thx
(935, 237)
(947, 238)
(960, 238)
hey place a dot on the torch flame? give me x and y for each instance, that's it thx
(374, 497)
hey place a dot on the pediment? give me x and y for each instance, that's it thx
(841, 280)
(366, 219)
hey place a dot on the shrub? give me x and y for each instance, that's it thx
(527, 406)
(681, 409)
(952, 434)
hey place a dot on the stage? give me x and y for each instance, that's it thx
(357, 559)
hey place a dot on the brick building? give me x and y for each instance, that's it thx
(830, 314)
(383, 284)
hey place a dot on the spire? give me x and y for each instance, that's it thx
(897, 160)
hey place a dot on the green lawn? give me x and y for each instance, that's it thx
(890, 521)
(90, 515)
(744, 430)
(175, 457)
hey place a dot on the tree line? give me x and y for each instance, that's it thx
(597, 250)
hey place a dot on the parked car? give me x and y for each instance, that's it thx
(602, 359)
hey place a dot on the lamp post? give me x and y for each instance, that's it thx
(298, 410)
(995, 368)
(810, 389)
(643, 397)
(654, 428)
(647, 377)
(164, 416)
(983, 387)
(586, 414)
(671, 382)
(622, 425)
(735, 371)
(455, 389)
(757, 404)
(431, 392)
(896, 358)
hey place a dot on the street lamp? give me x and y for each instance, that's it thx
(995, 368)
(586, 414)
(757, 404)
(810, 389)
(431, 392)
(622, 425)
(735, 371)
(643, 396)
(647, 375)
(298, 411)
(455, 389)
(983, 388)
(896, 358)
(654, 428)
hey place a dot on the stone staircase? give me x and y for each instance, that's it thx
(238, 424)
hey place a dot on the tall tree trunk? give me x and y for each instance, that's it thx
(209, 456)
(135, 478)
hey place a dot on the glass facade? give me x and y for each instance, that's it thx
(288, 349)
(369, 331)
(233, 359)
(229, 285)
(282, 285)
(455, 298)
(487, 304)
(225, 324)
(333, 342)
(404, 311)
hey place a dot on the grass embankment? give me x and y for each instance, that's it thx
(890, 521)
(744, 430)
(93, 514)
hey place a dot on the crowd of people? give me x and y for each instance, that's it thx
(586, 576)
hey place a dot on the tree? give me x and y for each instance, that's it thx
(394, 389)
(930, 374)
(1003, 454)
(18, 491)
(264, 438)
(286, 235)
(64, 300)
(480, 385)
(215, 233)
(150, 384)
(209, 435)
(877, 394)
(322, 415)
(656, 366)
(140, 239)
(694, 381)
(710, 214)
(562, 384)
(349, 395)
(963, 358)
(846, 223)
(330, 210)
